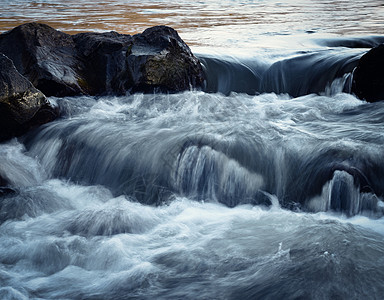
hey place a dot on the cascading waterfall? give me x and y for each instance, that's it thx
(266, 184)
(151, 147)
(299, 74)
(341, 194)
(204, 173)
(220, 196)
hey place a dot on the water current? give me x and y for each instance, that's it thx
(267, 184)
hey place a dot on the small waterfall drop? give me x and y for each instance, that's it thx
(341, 194)
(204, 173)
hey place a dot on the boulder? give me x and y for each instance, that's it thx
(59, 64)
(104, 57)
(160, 59)
(45, 56)
(368, 77)
(155, 60)
(22, 106)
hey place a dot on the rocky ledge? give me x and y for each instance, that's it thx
(37, 61)
(59, 64)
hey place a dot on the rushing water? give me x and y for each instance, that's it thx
(268, 184)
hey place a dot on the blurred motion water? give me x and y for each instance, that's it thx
(268, 184)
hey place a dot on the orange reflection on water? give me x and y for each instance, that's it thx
(203, 23)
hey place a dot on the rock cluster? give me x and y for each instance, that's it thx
(37, 61)
(59, 64)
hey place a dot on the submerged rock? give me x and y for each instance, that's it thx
(22, 106)
(5, 189)
(368, 77)
(98, 63)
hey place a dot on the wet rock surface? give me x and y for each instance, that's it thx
(59, 64)
(45, 56)
(163, 61)
(22, 106)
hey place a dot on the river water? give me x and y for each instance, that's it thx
(268, 184)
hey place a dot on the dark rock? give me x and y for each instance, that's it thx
(45, 56)
(3, 182)
(97, 63)
(160, 59)
(368, 77)
(157, 59)
(104, 56)
(22, 106)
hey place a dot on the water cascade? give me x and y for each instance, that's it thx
(267, 183)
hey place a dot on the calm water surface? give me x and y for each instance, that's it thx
(228, 23)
